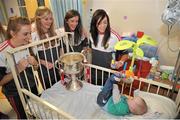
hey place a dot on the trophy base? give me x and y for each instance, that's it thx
(74, 85)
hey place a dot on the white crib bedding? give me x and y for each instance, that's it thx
(82, 104)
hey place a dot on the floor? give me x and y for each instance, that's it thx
(5, 107)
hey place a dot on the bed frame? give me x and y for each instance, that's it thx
(50, 110)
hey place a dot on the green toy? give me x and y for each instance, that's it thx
(136, 51)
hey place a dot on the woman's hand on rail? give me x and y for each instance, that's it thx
(32, 60)
(22, 64)
(49, 65)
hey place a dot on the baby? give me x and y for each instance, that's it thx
(113, 102)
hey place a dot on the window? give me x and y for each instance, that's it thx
(22, 8)
(41, 2)
(21, 3)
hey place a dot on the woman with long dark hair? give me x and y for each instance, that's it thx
(103, 40)
(73, 23)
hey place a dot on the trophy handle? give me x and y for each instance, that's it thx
(56, 64)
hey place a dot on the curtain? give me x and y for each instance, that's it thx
(3, 16)
(60, 7)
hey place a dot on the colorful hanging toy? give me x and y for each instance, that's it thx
(136, 52)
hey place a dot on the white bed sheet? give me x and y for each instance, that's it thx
(82, 104)
(158, 105)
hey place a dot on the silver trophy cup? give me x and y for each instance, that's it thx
(71, 64)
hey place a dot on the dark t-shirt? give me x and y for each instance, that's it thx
(10, 87)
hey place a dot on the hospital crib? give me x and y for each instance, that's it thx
(37, 107)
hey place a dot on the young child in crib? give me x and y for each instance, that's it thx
(113, 102)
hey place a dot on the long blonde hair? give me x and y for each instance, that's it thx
(41, 12)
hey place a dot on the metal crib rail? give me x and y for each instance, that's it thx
(149, 83)
(59, 39)
(47, 107)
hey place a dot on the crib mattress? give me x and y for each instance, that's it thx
(82, 104)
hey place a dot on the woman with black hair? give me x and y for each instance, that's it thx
(73, 23)
(103, 40)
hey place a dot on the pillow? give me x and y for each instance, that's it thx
(158, 106)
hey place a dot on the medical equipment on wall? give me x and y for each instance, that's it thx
(171, 14)
(170, 17)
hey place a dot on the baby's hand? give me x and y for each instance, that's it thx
(117, 79)
(118, 76)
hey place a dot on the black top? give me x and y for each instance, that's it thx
(10, 87)
(50, 57)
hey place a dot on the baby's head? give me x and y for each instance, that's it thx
(137, 106)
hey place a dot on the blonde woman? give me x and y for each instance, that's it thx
(48, 54)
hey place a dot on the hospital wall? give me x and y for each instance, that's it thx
(138, 15)
(11, 8)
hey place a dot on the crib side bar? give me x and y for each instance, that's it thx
(44, 103)
(14, 73)
(149, 83)
(177, 101)
(36, 43)
(35, 47)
